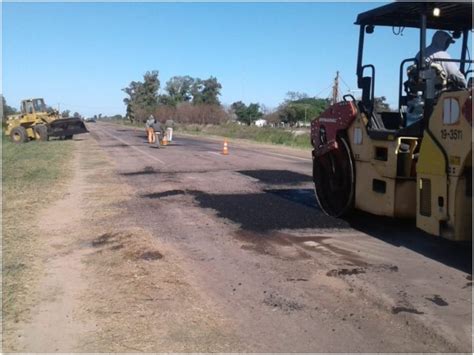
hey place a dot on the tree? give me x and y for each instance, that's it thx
(380, 105)
(206, 91)
(65, 113)
(302, 110)
(296, 95)
(288, 113)
(76, 115)
(130, 114)
(6, 110)
(196, 91)
(149, 94)
(246, 114)
(143, 96)
(178, 89)
(240, 110)
(211, 90)
(273, 118)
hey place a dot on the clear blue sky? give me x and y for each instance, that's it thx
(82, 54)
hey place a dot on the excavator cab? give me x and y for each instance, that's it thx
(412, 162)
(33, 106)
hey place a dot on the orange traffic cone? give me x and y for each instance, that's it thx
(225, 151)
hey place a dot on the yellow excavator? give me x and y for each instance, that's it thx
(37, 122)
(416, 161)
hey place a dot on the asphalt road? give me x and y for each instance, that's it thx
(288, 277)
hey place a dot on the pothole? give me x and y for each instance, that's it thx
(396, 310)
(102, 240)
(151, 255)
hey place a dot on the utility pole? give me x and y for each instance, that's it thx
(335, 89)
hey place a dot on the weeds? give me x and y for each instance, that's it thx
(258, 134)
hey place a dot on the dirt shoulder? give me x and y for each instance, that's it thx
(108, 286)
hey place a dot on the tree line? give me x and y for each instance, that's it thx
(296, 108)
(192, 100)
(184, 99)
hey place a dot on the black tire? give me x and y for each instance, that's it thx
(42, 132)
(68, 137)
(334, 179)
(18, 135)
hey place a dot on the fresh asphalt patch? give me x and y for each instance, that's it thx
(266, 211)
(148, 170)
(277, 177)
(303, 196)
(396, 310)
(436, 299)
(171, 193)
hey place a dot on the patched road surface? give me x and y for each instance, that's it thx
(285, 276)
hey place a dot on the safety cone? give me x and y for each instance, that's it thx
(165, 140)
(225, 151)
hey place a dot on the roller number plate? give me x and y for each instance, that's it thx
(451, 134)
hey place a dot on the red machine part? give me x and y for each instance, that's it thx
(324, 129)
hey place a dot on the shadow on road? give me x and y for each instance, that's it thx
(297, 209)
(276, 177)
(271, 210)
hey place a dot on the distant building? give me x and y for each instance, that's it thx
(261, 122)
(303, 124)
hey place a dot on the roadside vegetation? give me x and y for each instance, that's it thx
(189, 100)
(33, 175)
(298, 139)
(6, 111)
(192, 105)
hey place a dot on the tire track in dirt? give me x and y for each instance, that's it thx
(55, 324)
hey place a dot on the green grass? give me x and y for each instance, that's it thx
(258, 134)
(36, 163)
(33, 174)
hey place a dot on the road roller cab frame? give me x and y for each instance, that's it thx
(382, 163)
(36, 121)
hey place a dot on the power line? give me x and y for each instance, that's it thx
(348, 87)
(326, 88)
